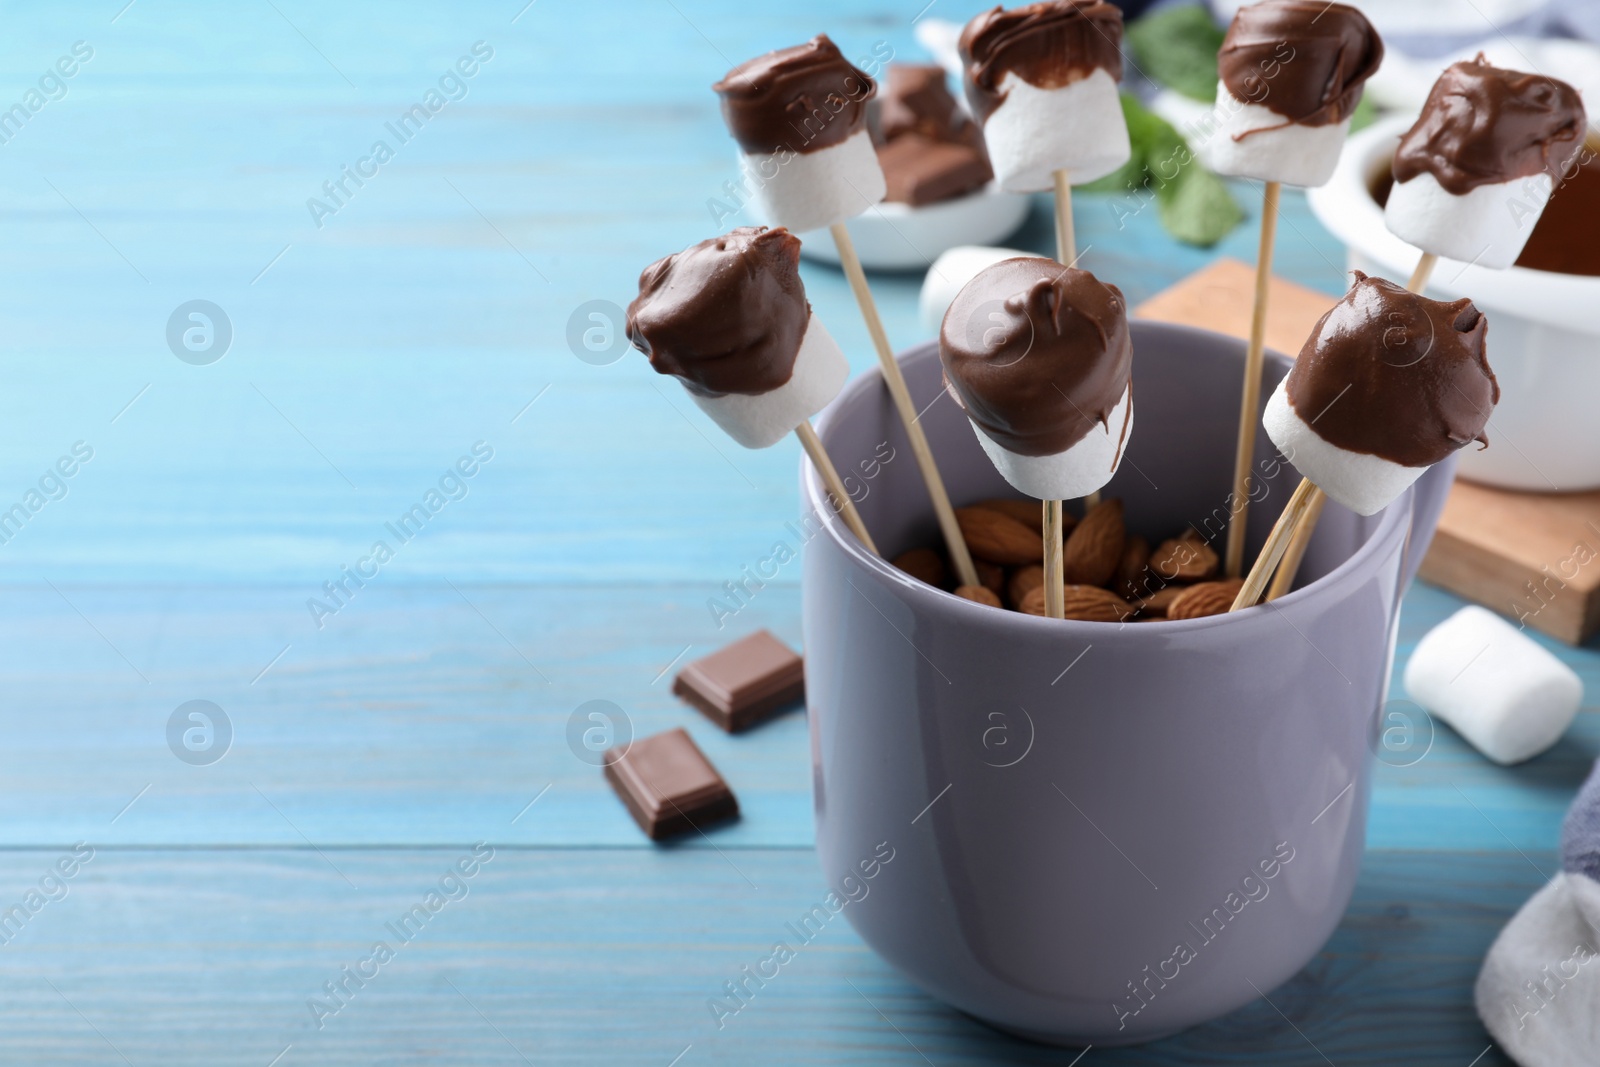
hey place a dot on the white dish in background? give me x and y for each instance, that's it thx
(893, 236)
(1544, 334)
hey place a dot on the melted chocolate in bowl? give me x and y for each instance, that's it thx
(1566, 239)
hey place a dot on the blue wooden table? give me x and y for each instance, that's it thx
(366, 334)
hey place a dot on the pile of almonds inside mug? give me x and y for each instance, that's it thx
(1110, 576)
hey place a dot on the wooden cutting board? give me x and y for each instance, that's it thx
(1533, 557)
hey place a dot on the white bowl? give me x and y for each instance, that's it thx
(1544, 332)
(893, 236)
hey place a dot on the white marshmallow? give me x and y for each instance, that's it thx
(1294, 154)
(1488, 226)
(950, 273)
(1364, 483)
(1079, 471)
(1494, 684)
(820, 371)
(814, 190)
(1036, 132)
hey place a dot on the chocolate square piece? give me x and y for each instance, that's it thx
(669, 786)
(923, 171)
(743, 683)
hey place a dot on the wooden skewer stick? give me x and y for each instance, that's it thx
(1066, 242)
(1250, 397)
(1055, 606)
(1066, 252)
(1424, 271)
(830, 477)
(896, 382)
(1294, 514)
(1283, 581)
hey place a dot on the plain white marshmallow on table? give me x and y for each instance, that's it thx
(1081, 469)
(1509, 697)
(950, 273)
(1487, 226)
(1035, 132)
(1252, 141)
(814, 190)
(1364, 483)
(820, 371)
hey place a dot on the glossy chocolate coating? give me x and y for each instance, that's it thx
(726, 315)
(1048, 45)
(1303, 59)
(1395, 375)
(1037, 354)
(1483, 126)
(803, 99)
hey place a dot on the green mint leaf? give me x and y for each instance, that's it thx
(1197, 208)
(1177, 46)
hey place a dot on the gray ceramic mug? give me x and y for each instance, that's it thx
(1101, 833)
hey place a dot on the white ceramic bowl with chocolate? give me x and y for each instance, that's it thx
(1545, 313)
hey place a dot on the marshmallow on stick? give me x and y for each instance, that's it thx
(1475, 172)
(1290, 76)
(800, 117)
(1388, 384)
(1042, 79)
(729, 318)
(1039, 357)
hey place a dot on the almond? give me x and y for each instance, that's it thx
(997, 538)
(1094, 604)
(1146, 584)
(1095, 546)
(1132, 567)
(1184, 559)
(1207, 598)
(1087, 603)
(1156, 604)
(923, 564)
(990, 576)
(978, 594)
(1022, 580)
(1028, 512)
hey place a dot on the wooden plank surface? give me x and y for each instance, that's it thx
(429, 313)
(1529, 556)
(431, 714)
(1220, 297)
(607, 956)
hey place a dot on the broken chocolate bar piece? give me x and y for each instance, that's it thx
(922, 171)
(744, 683)
(669, 786)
